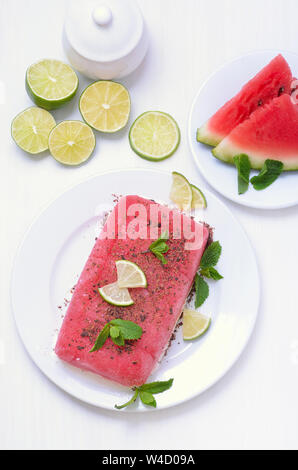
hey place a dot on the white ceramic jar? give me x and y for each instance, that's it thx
(104, 39)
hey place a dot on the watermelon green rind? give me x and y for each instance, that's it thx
(206, 137)
(270, 133)
(226, 151)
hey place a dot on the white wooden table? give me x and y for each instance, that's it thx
(255, 405)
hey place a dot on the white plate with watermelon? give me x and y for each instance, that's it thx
(230, 116)
(52, 256)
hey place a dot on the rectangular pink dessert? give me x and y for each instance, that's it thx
(156, 308)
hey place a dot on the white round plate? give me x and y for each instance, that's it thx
(53, 254)
(218, 89)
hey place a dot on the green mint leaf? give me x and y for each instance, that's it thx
(211, 273)
(132, 400)
(158, 247)
(118, 340)
(156, 243)
(211, 255)
(202, 291)
(101, 338)
(243, 166)
(162, 247)
(156, 387)
(146, 392)
(119, 330)
(148, 399)
(160, 256)
(128, 329)
(269, 173)
(114, 332)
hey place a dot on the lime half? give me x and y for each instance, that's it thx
(115, 295)
(105, 106)
(71, 142)
(31, 128)
(51, 83)
(198, 198)
(130, 275)
(181, 191)
(154, 135)
(195, 324)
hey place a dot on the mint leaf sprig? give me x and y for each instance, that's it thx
(243, 166)
(208, 261)
(119, 331)
(159, 247)
(270, 171)
(146, 392)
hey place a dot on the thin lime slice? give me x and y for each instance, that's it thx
(51, 83)
(71, 142)
(195, 324)
(181, 191)
(31, 128)
(115, 295)
(105, 106)
(198, 198)
(154, 136)
(130, 275)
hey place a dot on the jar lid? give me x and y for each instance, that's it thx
(103, 30)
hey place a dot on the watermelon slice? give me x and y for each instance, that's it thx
(272, 81)
(271, 132)
(156, 308)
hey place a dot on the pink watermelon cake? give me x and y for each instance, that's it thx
(156, 308)
(274, 80)
(271, 132)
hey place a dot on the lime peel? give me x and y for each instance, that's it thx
(115, 295)
(181, 192)
(154, 135)
(130, 275)
(105, 106)
(198, 198)
(71, 142)
(30, 129)
(195, 324)
(51, 83)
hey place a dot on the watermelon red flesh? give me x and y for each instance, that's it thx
(269, 133)
(272, 81)
(156, 308)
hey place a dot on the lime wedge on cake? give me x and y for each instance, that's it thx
(105, 106)
(115, 295)
(154, 135)
(31, 128)
(198, 198)
(181, 191)
(195, 324)
(130, 275)
(71, 142)
(51, 83)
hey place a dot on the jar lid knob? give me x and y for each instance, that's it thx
(102, 15)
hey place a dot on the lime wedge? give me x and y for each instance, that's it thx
(181, 191)
(198, 198)
(71, 142)
(105, 106)
(31, 128)
(195, 324)
(115, 295)
(154, 135)
(51, 83)
(130, 275)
